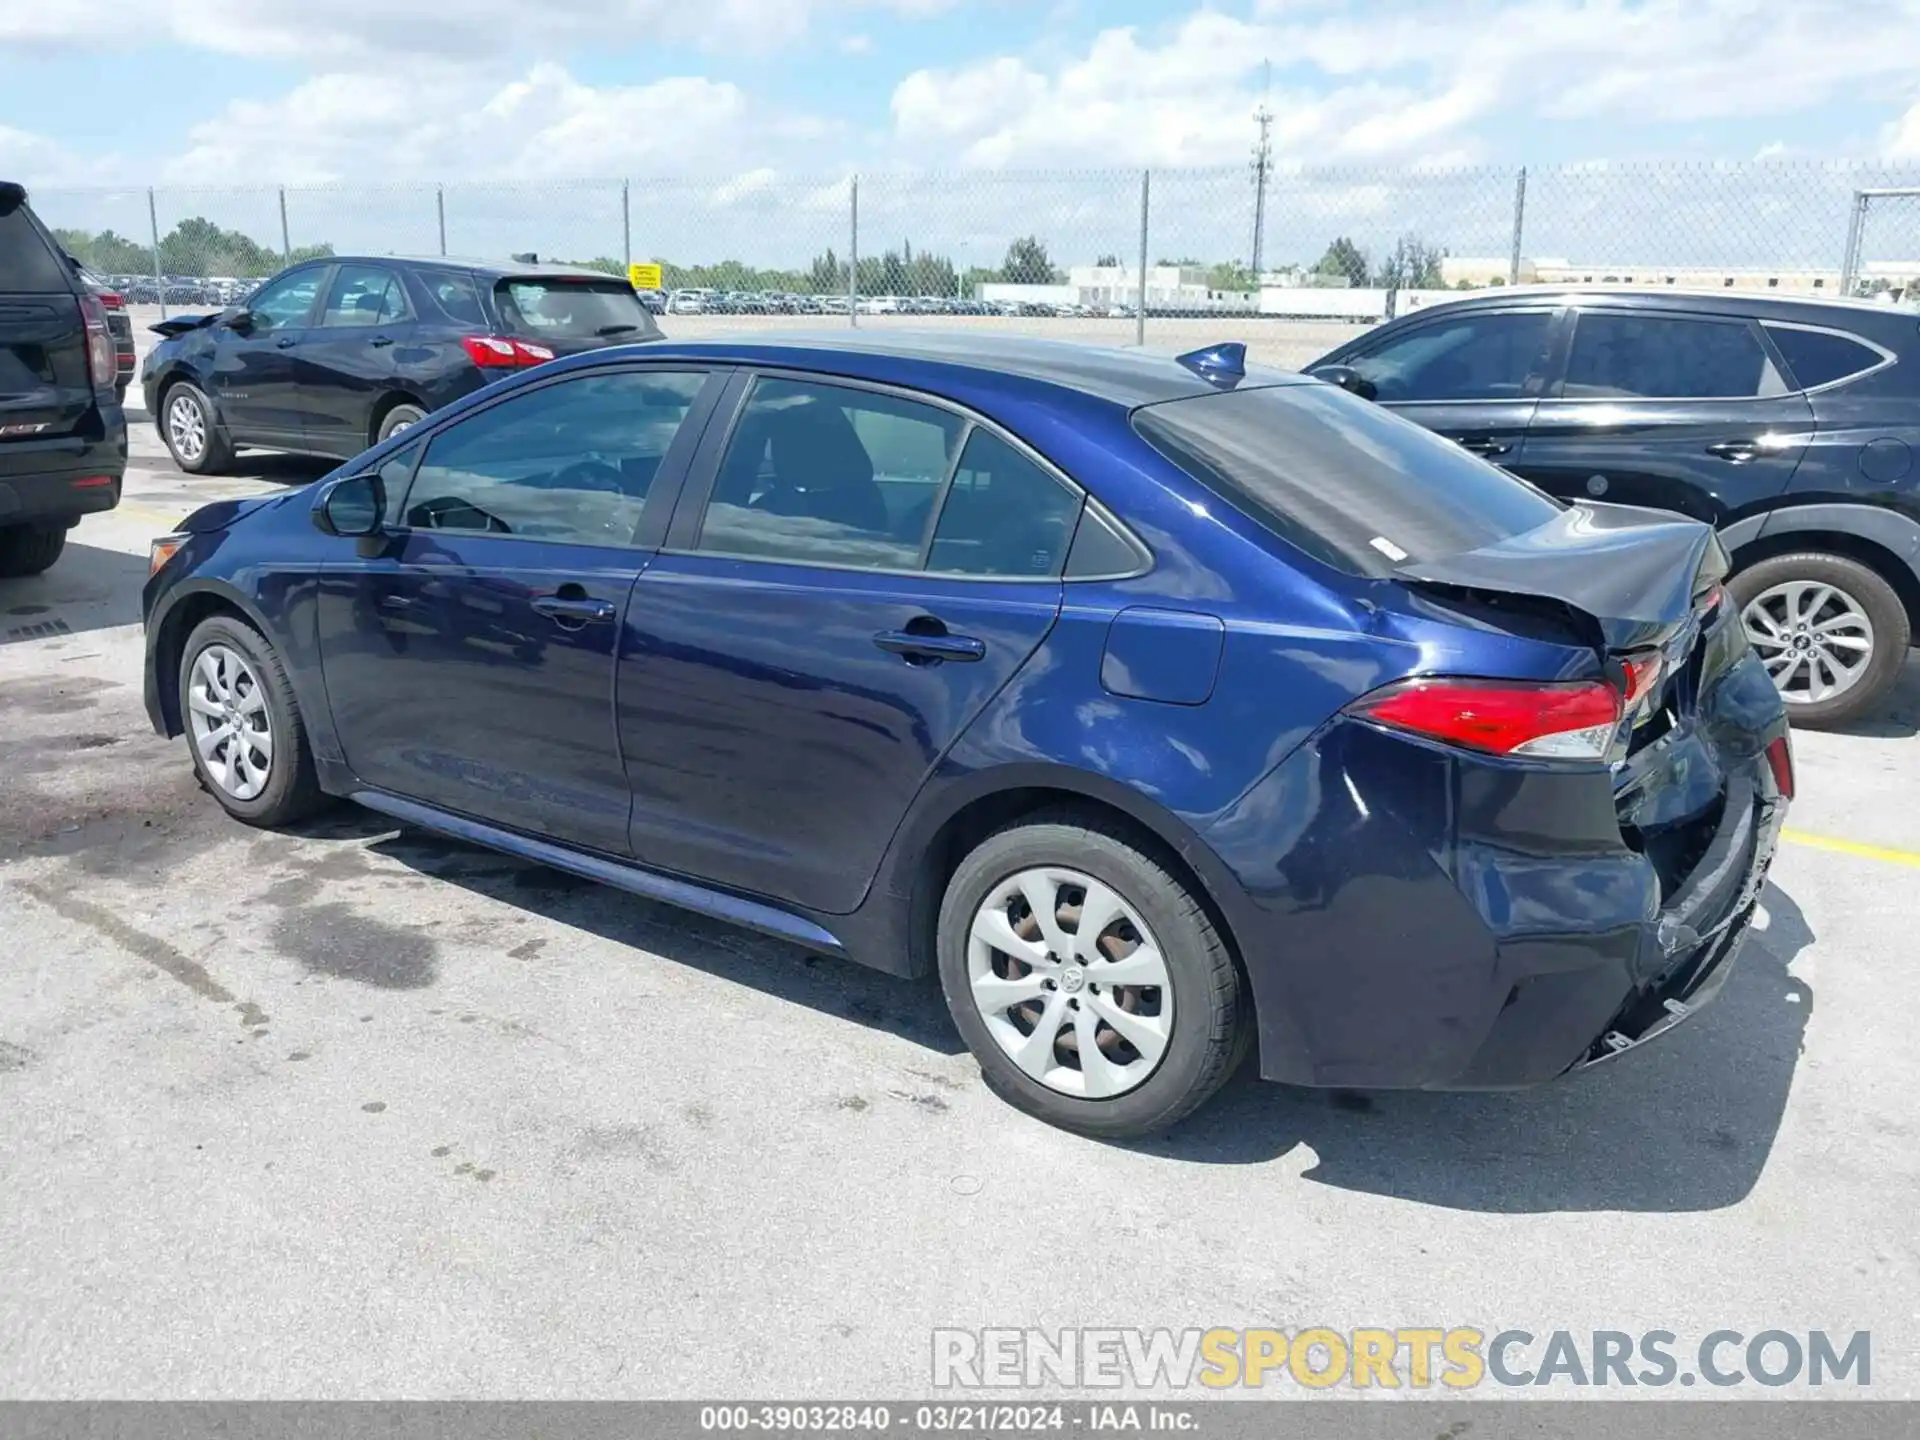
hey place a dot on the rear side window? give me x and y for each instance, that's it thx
(1820, 357)
(569, 309)
(364, 295)
(1667, 357)
(1003, 514)
(1471, 357)
(1351, 484)
(455, 295)
(28, 264)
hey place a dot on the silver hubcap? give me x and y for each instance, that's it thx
(231, 727)
(1070, 982)
(186, 427)
(1816, 641)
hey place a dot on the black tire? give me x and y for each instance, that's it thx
(1209, 1015)
(292, 791)
(216, 453)
(1892, 632)
(397, 419)
(29, 549)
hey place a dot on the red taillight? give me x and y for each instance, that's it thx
(1780, 761)
(1502, 717)
(1639, 675)
(112, 300)
(103, 364)
(92, 482)
(495, 352)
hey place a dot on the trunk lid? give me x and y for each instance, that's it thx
(46, 389)
(1644, 586)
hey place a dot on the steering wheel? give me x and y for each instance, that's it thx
(589, 475)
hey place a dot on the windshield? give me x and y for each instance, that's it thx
(573, 309)
(1351, 484)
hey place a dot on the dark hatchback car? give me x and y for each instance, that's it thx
(63, 435)
(1789, 424)
(1160, 707)
(334, 355)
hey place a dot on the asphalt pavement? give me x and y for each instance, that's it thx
(352, 1111)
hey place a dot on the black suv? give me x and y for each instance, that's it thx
(331, 356)
(63, 436)
(1791, 425)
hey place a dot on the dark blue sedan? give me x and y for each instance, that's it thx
(1163, 708)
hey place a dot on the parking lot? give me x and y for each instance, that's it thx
(354, 1111)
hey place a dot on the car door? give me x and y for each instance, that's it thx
(1473, 375)
(254, 385)
(469, 663)
(1672, 410)
(346, 364)
(852, 576)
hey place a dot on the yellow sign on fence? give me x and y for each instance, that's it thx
(644, 277)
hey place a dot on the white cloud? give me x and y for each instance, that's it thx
(1901, 139)
(856, 45)
(456, 124)
(32, 158)
(373, 32)
(1402, 82)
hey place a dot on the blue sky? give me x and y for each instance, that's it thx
(781, 99)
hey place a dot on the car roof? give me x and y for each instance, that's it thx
(493, 268)
(1123, 377)
(1754, 304)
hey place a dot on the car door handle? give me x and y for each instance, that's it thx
(921, 647)
(1738, 451)
(285, 342)
(380, 340)
(1484, 445)
(574, 610)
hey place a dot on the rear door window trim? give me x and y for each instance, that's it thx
(1887, 357)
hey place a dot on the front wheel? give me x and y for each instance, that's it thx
(244, 728)
(1831, 632)
(1088, 980)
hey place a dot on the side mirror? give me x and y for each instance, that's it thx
(1347, 378)
(352, 506)
(240, 321)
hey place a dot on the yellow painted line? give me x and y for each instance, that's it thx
(1884, 853)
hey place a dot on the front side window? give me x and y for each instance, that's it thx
(364, 295)
(1470, 357)
(285, 303)
(1003, 514)
(1667, 357)
(571, 462)
(828, 475)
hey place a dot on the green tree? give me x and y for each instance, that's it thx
(1028, 263)
(1411, 265)
(1345, 258)
(1231, 275)
(1108, 261)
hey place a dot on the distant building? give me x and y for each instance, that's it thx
(1476, 272)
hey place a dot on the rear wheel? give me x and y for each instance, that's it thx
(401, 417)
(1088, 981)
(1831, 632)
(248, 742)
(29, 549)
(193, 436)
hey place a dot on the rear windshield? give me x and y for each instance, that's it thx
(567, 309)
(28, 265)
(1348, 482)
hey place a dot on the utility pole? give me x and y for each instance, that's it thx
(1262, 168)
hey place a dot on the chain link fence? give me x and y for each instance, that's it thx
(1292, 261)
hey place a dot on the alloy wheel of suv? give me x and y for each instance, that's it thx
(1831, 633)
(188, 427)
